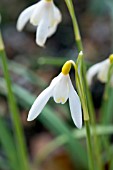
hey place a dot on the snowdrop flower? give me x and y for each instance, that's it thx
(45, 15)
(61, 89)
(101, 70)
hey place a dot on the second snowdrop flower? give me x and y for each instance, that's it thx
(61, 89)
(100, 69)
(45, 15)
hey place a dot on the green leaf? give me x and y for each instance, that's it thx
(6, 140)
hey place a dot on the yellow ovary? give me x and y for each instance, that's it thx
(111, 58)
(66, 68)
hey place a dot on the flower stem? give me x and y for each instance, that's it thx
(18, 132)
(93, 120)
(80, 87)
(75, 25)
(89, 146)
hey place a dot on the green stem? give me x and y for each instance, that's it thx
(89, 146)
(93, 120)
(80, 87)
(19, 136)
(75, 25)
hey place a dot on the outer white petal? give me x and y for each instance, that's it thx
(57, 14)
(42, 32)
(56, 20)
(44, 9)
(37, 14)
(103, 72)
(42, 99)
(56, 79)
(61, 90)
(93, 70)
(24, 17)
(39, 103)
(75, 106)
(52, 30)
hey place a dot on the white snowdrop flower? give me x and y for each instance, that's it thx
(101, 70)
(45, 15)
(61, 89)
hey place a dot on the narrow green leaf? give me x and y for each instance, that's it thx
(51, 61)
(6, 140)
(18, 131)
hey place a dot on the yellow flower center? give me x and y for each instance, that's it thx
(111, 58)
(66, 68)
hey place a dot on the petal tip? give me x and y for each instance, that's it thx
(18, 27)
(79, 126)
(29, 118)
(39, 43)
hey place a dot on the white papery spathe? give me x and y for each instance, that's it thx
(100, 69)
(60, 89)
(45, 15)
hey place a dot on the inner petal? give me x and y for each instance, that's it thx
(61, 90)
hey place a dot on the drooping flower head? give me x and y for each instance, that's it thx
(45, 15)
(101, 70)
(61, 89)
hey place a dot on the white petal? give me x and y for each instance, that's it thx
(56, 79)
(61, 90)
(103, 72)
(56, 20)
(44, 9)
(24, 17)
(39, 103)
(93, 70)
(57, 14)
(52, 30)
(75, 106)
(42, 99)
(45, 23)
(42, 32)
(37, 14)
